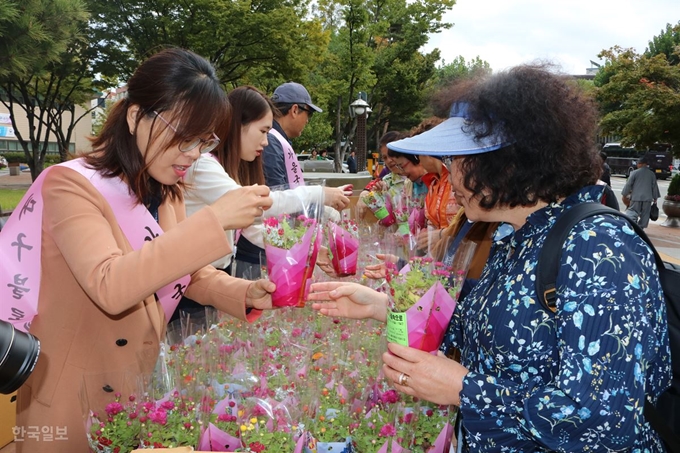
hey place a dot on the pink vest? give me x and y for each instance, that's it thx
(293, 168)
(21, 240)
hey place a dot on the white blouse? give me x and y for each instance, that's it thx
(206, 181)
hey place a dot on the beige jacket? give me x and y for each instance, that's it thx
(97, 312)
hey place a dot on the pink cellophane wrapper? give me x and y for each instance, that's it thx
(312, 263)
(396, 448)
(416, 220)
(389, 219)
(426, 321)
(345, 250)
(443, 442)
(214, 439)
(288, 270)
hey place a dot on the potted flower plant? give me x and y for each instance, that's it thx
(671, 203)
(288, 244)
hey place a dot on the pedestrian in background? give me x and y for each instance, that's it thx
(642, 189)
(352, 162)
(606, 170)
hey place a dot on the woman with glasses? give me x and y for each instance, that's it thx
(239, 163)
(390, 180)
(118, 251)
(529, 379)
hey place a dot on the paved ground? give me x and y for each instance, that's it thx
(666, 240)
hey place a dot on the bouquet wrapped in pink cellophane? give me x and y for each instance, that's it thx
(343, 244)
(422, 297)
(288, 243)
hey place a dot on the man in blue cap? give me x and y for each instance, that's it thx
(295, 109)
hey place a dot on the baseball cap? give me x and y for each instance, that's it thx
(293, 93)
(453, 137)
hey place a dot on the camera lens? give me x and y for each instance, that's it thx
(19, 353)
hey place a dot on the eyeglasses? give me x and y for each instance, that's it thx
(448, 160)
(309, 111)
(205, 146)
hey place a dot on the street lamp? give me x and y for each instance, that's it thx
(360, 109)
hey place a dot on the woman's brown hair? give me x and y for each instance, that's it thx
(176, 82)
(248, 104)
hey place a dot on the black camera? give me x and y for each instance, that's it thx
(19, 353)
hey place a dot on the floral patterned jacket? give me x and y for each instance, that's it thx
(574, 380)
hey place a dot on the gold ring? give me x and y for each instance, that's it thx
(403, 379)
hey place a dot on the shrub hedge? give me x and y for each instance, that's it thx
(19, 158)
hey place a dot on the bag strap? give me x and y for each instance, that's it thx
(550, 254)
(547, 269)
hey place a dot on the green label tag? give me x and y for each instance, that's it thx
(397, 328)
(381, 213)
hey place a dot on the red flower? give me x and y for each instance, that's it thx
(257, 447)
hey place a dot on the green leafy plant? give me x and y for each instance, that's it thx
(117, 430)
(266, 428)
(408, 288)
(285, 231)
(673, 193)
(170, 423)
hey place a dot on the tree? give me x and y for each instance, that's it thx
(666, 43)
(640, 97)
(262, 41)
(459, 69)
(44, 89)
(375, 47)
(35, 32)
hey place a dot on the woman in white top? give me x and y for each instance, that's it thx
(239, 163)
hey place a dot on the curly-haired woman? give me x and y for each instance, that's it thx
(520, 148)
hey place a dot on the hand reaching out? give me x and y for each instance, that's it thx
(323, 260)
(348, 300)
(335, 198)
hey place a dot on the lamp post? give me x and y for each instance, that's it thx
(360, 109)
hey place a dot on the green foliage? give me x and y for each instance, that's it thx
(375, 48)
(15, 158)
(46, 92)
(460, 69)
(666, 44)
(640, 98)
(36, 32)
(263, 42)
(674, 186)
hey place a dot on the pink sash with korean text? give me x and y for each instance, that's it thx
(20, 245)
(293, 168)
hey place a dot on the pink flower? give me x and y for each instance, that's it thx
(390, 397)
(168, 405)
(296, 332)
(160, 417)
(114, 408)
(388, 430)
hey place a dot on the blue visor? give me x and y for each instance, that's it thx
(450, 138)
